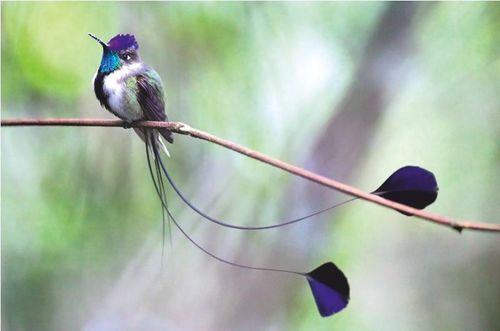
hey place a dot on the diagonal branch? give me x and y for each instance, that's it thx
(181, 128)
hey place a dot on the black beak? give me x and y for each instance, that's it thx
(99, 41)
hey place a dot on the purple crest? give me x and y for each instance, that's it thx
(121, 42)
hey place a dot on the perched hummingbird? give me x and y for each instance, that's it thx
(127, 87)
(133, 91)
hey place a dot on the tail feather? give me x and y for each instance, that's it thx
(154, 140)
(229, 225)
(160, 190)
(167, 134)
(157, 178)
(164, 147)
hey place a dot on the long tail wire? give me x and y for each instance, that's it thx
(160, 189)
(253, 228)
(158, 184)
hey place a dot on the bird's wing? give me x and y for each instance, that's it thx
(150, 98)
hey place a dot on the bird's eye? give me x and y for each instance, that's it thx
(126, 57)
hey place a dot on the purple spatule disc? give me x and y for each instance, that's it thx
(330, 288)
(412, 186)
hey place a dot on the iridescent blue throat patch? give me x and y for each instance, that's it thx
(110, 62)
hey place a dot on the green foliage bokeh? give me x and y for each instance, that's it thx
(80, 217)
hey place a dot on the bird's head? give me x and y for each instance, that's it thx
(119, 51)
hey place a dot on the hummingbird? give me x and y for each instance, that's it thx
(133, 91)
(129, 88)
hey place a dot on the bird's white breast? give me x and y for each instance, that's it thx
(114, 86)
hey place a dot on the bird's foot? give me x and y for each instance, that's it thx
(127, 125)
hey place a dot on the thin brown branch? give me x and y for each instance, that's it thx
(184, 129)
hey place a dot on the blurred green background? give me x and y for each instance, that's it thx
(352, 91)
